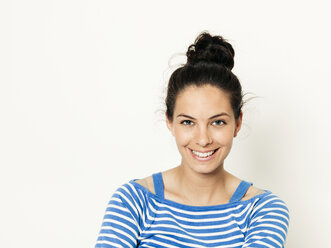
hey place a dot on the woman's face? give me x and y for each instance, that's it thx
(204, 126)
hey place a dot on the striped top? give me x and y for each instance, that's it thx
(135, 217)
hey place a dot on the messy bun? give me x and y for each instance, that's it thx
(209, 61)
(211, 49)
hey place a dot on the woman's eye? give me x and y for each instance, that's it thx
(187, 122)
(219, 122)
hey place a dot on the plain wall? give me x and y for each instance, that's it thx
(81, 98)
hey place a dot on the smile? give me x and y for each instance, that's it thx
(203, 156)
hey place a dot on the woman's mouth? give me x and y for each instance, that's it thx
(203, 156)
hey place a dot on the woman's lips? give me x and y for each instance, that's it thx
(200, 158)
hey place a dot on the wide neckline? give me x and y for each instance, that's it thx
(192, 207)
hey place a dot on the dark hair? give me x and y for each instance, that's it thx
(209, 61)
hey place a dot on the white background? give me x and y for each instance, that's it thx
(81, 99)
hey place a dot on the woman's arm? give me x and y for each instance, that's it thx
(120, 227)
(268, 224)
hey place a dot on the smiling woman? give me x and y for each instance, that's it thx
(205, 142)
(198, 203)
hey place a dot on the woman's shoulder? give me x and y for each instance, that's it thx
(133, 192)
(147, 183)
(251, 192)
(269, 214)
(269, 201)
(262, 198)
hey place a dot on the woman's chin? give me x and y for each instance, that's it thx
(205, 169)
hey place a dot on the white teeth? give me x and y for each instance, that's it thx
(203, 155)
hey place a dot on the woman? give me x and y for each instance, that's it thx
(198, 203)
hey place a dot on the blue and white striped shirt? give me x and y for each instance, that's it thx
(135, 217)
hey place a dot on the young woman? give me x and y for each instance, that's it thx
(198, 203)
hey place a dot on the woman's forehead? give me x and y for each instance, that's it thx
(203, 98)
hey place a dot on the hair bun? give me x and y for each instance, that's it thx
(211, 49)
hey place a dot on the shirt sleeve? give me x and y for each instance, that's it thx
(268, 225)
(120, 226)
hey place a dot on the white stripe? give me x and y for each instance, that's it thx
(263, 243)
(149, 246)
(209, 219)
(273, 226)
(282, 203)
(196, 227)
(274, 208)
(161, 243)
(193, 233)
(193, 245)
(115, 199)
(172, 234)
(270, 238)
(123, 209)
(261, 205)
(177, 218)
(109, 243)
(122, 216)
(198, 212)
(252, 234)
(269, 216)
(121, 224)
(257, 242)
(273, 220)
(115, 237)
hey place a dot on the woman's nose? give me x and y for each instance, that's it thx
(203, 137)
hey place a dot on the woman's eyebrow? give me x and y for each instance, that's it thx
(218, 115)
(212, 117)
(186, 116)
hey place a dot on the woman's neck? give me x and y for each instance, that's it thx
(203, 189)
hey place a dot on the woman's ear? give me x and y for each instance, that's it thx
(169, 125)
(238, 124)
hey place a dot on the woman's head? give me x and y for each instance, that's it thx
(209, 62)
(204, 103)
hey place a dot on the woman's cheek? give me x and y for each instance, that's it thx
(223, 137)
(183, 136)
